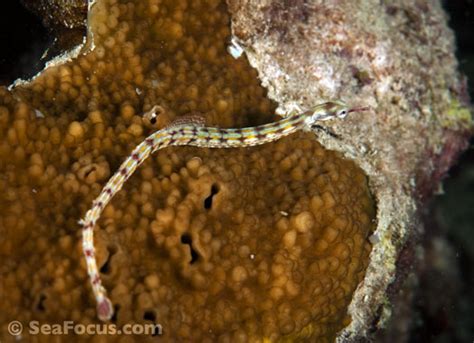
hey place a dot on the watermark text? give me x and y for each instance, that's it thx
(34, 327)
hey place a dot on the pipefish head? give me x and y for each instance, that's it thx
(331, 109)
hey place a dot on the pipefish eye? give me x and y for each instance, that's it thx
(342, 113)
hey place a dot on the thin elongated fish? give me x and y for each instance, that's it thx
(191, 132)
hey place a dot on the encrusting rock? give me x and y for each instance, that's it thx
(399, 59)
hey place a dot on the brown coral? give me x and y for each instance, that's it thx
(240, 244)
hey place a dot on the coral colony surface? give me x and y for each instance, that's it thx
(288, 241)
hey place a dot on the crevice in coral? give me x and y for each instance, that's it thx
(150, 315)
(40, 304)
(208, 200)
(105, 269)
(187, 239)
(114, 317)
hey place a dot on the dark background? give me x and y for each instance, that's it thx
(444, 300)
(24, 40)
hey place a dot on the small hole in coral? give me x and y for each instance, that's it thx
(208, 200)
(40, 305)
(89, 171)
(114, 317)
(105, 269)
(186, 239)
(151, 316)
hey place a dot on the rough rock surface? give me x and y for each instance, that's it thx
(399, 60)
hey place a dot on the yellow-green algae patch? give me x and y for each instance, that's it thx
(457, 115)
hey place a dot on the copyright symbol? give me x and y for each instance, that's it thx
(15, 328)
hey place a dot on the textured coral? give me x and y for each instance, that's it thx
(240, 244)
(398, 58)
